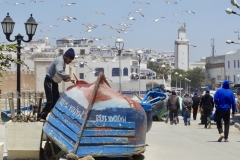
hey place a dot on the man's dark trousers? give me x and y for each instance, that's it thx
(207, 113)
(52, 95)
(225, 115)
(195, 109)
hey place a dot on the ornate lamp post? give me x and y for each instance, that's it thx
(7, 26)
(180, 76)
(189, 86)
(119, 44)
(139, 52)
(176, 79)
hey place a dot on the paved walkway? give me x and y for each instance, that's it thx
(171, 142)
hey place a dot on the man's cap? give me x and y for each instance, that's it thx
(195, 93)
(207, 91)
(70, 53)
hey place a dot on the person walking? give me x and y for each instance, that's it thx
(174, 106)
(55, 74)
(225, 101)
(196, 102)
(186, 105)
(207, 105)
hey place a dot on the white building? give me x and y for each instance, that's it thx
(182, 50)
(198, 64)
(232, 66)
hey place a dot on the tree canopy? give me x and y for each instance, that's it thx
(5, 59)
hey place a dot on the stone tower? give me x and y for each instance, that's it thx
(182, 50)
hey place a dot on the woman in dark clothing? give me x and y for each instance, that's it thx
(195, 105)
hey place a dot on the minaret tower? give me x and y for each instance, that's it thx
(182, 50)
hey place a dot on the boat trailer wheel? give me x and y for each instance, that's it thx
(52, 151)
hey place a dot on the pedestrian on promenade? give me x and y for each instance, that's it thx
(187, 105)
(207, 105)
(173, 104)
(225, 100)
(55, 74)
(196, 102)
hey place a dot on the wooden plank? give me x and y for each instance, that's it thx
(100, 150)
(123, 125)
(112, 133)
(68, 113)
(70, 123)
(104, 140)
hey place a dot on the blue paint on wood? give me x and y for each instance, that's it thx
(126, 125)
(104, 140)
(68, 113)
(73, 124)
(96, 150)
(120, 133)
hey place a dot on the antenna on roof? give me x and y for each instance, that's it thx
(213, 47)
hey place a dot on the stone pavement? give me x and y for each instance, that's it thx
(171, 142)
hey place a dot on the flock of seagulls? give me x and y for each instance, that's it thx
(120, 27)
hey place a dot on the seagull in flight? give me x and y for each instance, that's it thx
(178, 21)
(53, 26)
(36, 1)
(68, 4)
(111, 27)
(189, 12)
(137, 11)
(157, 19)
(141, 2)
(17, 3)
(129, 18)
(168, 2)
(71, 17)
(97, 12)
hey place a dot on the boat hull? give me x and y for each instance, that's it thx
(116, 126)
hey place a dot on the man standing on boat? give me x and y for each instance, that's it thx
(55, 74)
(174, 106)
(196, 102)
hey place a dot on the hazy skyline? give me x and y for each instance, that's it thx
(209, 21)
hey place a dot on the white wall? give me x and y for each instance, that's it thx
(230, 72)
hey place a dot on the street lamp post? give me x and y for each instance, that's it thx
(7, 26)
(180, 76)
(119, 44)
(139, 52)
(229, 42)
(176, 73)
(163, 66)
(189, 86)
(186, 84)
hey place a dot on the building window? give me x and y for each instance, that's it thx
(136, 70)
(82, 51)
(125, 71)
(234, 63)
(234, 79)
(115, 72)
(238, 64)
(81, 65)
(132, 70)
(60, 51)
(219, 77)
(81, 75)
(98, 70)
(228, 64)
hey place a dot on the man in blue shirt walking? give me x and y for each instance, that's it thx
(225, 101)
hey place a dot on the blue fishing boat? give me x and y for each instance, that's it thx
(93, 119)
(158, 97)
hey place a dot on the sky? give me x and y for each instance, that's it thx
(209, 21)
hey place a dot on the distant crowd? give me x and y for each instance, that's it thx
(217, 108)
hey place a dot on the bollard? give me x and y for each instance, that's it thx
(1, 150)
(11, 106)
